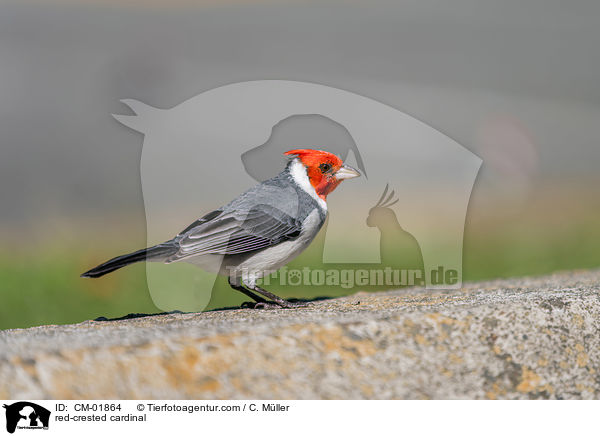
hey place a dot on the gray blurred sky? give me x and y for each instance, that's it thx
(517, 82)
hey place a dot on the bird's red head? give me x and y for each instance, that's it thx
(325, 170)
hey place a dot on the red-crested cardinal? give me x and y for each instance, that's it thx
(258, 232)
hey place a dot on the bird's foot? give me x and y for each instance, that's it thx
(259, 305)
(269, 305)
(296, 304)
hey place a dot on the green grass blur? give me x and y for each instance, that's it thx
(45, 287)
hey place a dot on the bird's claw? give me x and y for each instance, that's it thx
(297, 304)
(270, 305)
(260, 305)
(250, 305)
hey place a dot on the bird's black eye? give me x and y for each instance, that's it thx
(324, 167)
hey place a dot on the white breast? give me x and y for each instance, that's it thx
(271, 259)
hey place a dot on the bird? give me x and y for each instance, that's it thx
(256, 233)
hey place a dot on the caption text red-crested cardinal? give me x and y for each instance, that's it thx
(258, 232)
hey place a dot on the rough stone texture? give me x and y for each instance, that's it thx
(525, 338)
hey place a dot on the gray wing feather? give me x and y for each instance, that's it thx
(234, 232)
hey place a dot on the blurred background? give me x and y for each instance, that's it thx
(516, 82)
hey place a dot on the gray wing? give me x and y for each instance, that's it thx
(231, 232)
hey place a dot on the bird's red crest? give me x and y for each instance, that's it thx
(315, 157)
(314, 160)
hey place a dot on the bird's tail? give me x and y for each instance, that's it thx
(153, 253)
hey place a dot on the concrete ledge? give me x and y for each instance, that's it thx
(525, 338)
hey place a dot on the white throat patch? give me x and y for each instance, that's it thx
(298, 172)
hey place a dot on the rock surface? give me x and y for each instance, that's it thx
(523, 338)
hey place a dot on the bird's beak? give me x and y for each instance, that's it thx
(346, 172)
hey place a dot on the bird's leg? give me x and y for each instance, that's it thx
(277, 301)
(243, 290)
